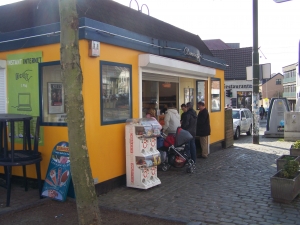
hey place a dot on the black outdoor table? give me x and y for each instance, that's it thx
(18, 157)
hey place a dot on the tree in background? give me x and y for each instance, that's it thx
(86, 198)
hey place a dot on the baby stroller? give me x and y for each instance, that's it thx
(175, 154)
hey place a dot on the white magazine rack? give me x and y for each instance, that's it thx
(142, 156)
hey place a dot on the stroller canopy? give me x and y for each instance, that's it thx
(182, 137)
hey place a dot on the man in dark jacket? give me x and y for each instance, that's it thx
(203, 128)
(184, 109)
(189, 123)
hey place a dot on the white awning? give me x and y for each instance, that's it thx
(173, 67)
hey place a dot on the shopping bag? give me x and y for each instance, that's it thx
(159, 142)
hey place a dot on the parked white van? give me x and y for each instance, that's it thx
(242, 122)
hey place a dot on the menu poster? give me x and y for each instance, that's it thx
(56, 98)
(58, 176)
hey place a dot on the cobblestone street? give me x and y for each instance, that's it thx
(231, 186)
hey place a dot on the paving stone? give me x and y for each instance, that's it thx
(257, 219)
(288, 221)
(222, 220)
(264, 223)
(194, 223)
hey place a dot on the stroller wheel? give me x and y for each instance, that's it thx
(191, 167)
(165, 167)
(194, 166)
(190, 162)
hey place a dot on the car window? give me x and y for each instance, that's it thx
(242, 114)
(235, 114)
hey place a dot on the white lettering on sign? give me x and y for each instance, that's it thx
(232, 86)
(186, 51)
(14, 62)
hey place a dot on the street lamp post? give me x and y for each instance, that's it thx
(255, 76)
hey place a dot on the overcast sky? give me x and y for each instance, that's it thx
(231, 21)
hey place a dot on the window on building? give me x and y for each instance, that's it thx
(278, 81)
(286, 75)
(156, 95)
(215, 94)
(244, 99)
(242, 114)
(115, 92)
(286, 89)
(52, 102)
(200, 91)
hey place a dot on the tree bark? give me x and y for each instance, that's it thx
(86, 198)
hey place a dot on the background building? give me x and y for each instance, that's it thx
(271, 88)
(236, 83)
(289, 84)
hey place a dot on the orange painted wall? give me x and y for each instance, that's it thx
(217, 119)
(106, 143)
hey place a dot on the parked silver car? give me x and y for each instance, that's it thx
(242, 122)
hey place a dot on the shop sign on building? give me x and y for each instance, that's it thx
(239, 86)
(187, 52)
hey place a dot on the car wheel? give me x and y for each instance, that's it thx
(249, 132)
(237, 133)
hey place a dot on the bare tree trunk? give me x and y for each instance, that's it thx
(86, 198)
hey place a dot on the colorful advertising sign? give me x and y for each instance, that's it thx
(58, 176)
(23, 89)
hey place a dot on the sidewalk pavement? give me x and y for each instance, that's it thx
(231, 186)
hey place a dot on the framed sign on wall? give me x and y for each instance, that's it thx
(189, 95)
(56, 98)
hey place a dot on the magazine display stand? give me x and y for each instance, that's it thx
(142, 156)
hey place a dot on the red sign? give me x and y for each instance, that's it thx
(131, 143)
(132, 173)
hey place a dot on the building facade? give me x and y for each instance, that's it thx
(289, 84)
(271, 88)
(130, 62)
(297, 108)
(237, 60)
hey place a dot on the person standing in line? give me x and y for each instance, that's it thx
(203, 128)
(150, 113)
(172, 120)
(189, 123)
(184, 109)
(261, 112)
